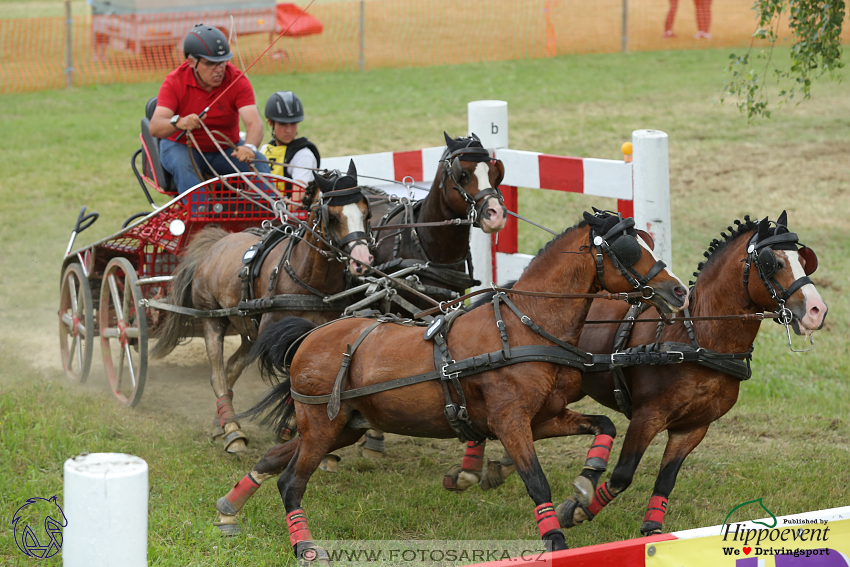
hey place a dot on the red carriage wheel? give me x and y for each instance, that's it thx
(76, 323)
(123, 332)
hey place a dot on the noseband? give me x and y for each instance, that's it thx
(453, 170)
(760, 254)
(624, 251)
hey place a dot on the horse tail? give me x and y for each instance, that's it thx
(173, 328)
(275, 348)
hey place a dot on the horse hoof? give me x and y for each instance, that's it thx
(466, 479)
(557, 539)
(329, 463)
(371, 446)
(495, 474)
(227, 525)
(235, 441)
(450, 479)
(217, 429)
(650, 528)
(584, 490)
(571, 513)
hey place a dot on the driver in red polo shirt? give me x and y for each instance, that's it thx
(184, 95)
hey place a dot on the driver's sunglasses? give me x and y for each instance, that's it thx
(212, 64)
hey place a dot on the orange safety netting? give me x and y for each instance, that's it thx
(395, 33)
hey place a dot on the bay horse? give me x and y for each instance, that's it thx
(466, 189)
(758, 266)
(510, 381)
(298, 264)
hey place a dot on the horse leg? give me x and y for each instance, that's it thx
(519, 443)
(565, 424)
(679, 446)
(272, 464)
(214, 332)
(319, 437)
(468, 473)
(235, 366)
(640, 433)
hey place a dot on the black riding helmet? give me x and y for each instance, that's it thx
(208, 43)
(285, 107)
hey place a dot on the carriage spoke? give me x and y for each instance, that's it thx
(119, 370)
(76, 348)
(68, 320)
(116, 298)
(130, 365)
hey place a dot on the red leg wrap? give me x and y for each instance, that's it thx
(546, 519)
(597, 456)
(242, 491)
(601, 498)
(224, 405)
(473, 460)
(298, 531)
(656, 510)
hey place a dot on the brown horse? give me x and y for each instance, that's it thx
(757, 267)
(301, 264)
(521, 368)
(465, 188)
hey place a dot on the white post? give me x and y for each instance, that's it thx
(106, 505)
(487, 119)
(651, 183)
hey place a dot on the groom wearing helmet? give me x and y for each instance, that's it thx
(289, 155)
(187, 92)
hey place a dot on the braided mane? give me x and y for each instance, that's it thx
(741, 228)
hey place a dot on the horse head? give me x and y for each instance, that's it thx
(621, 250)
(783, 266)
(343, 212)
(470, 183)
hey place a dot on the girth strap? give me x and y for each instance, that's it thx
(339, 384)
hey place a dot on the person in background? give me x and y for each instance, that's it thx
(703, 14)
(187, 92)
(290, 156)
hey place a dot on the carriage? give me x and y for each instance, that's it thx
(116, 288)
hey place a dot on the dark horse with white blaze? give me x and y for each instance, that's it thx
(506, 372)
(299, 264)
(758, 266)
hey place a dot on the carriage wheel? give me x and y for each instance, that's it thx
(123, 332)
(76, 323)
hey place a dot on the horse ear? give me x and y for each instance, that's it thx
(590, 219)
(449, 140)
(646, 237)
(352, 170)
(783, 219)
(763, 230)
(322, 183)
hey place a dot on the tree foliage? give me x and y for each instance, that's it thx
(816, 30)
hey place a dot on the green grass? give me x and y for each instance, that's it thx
(787, 439)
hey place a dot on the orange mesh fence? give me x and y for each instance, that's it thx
(352, 34)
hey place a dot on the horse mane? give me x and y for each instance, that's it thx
(717, 246)
(580, 224)
(310, 193)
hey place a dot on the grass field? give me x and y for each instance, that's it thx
(787, 440)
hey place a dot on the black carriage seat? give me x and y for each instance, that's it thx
(151, 165)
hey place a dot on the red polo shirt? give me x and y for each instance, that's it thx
(181, 93)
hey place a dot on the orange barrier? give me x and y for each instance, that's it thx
(395, 33)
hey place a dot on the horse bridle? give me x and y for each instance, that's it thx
(352, 239)
(624, 251)
(453, 170)
(761, 254)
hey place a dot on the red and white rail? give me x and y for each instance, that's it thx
(641, 185)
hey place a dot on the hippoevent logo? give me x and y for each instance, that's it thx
(38, 527)
(791, 538)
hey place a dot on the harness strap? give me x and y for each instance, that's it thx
(339, 384)
(536, 328)
(466, 367)
(286, 302)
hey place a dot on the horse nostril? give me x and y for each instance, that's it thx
(680, 291)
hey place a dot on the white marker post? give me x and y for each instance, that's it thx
(488, 119)
(651, 182)
(106, 505)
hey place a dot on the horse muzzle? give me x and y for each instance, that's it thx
(492, 215)
(362, 259)
(670, 297)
